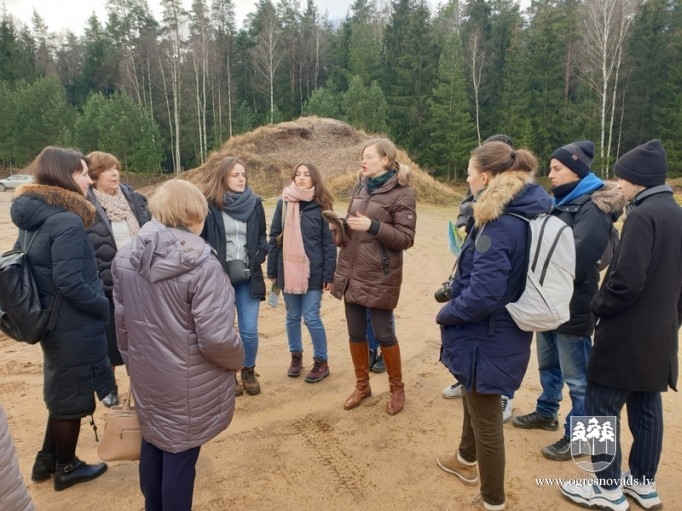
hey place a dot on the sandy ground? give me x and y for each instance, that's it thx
(293, 446)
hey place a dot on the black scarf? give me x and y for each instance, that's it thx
(374, 183)
(239, 205)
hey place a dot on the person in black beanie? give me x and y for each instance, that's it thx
(589, 206)
(639, 311)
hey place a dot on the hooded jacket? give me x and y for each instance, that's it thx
(75, 362)
(639, 305)
(481, 345)
(591, 216)
(13, 493)
(175, 319)
(369, 270)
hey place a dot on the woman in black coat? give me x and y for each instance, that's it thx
(120, 214)
(54, 213)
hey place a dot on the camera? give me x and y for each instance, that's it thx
(443, 294)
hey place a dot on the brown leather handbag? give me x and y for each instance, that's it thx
(122, 438)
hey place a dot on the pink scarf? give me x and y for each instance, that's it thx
(296, 262)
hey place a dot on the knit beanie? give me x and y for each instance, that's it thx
(645, 165)
(577, 156)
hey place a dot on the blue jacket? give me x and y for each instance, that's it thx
(318, 243)
(481, 345)
(75, 361)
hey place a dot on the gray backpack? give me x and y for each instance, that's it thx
(544, 303)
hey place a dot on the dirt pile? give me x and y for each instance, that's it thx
(270, 152)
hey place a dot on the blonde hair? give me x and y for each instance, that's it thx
(385, 148)
(101, 161)
(178, 203)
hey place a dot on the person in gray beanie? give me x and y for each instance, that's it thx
(639, 311)
(589, 206)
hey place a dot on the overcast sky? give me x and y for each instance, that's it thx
(60, 15)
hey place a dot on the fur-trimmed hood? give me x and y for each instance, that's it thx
(28, 214)
(513, 191)
(609, 199)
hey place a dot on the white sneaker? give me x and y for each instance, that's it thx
(507, 408)
(453, 391)
(644, 494)
(593, 495)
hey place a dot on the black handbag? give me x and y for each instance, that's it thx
(237, 271)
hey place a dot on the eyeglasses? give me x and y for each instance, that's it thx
(366, 157)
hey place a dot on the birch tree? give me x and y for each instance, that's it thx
(477, 58)
(268, 52)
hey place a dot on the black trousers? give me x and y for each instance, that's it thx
(167, 479)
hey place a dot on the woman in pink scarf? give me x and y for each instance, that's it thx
(302, 261)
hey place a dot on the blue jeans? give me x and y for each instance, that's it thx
(562, 358)
(247, 320)
(306, 306)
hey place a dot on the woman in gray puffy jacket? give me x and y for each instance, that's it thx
(175, 318)
(13, 493)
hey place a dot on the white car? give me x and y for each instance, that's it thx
(11, 182)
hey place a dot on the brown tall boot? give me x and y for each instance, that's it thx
(359, 352)
(396, 399)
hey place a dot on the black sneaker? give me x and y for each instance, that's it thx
(535, 421)
(561, 450)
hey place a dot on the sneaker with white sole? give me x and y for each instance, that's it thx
(507, 407)
(453, 391)
(645, 495)
(455, 464)
(593, 495)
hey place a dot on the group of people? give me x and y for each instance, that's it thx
(158, 286)
(635, 316)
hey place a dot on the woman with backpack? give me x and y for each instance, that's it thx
(55, 214)
(481, 344)
(121, 212)
(301, 262)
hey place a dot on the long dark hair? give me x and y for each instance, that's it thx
(214, 188)
(55, 166)
(322, 195)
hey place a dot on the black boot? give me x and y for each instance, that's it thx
(76, 472)
(44, 466)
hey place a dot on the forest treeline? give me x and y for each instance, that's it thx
(161, 94)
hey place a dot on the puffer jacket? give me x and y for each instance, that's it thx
(13, 493)
(481, 344)
(369, 270)
(175, 317)
(318, 243)
(75, 362)
(591, 217)
(102, 237)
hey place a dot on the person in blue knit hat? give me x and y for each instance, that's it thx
(590, 207)
(639, 311)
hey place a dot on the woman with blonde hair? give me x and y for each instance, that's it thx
(481, 344)
(120, 214)
(235, 228)
(175, 326)
(301, 262)
(379, 225)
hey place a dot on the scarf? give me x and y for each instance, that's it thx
(374, 183)
(117, 209)
(240, 205)
(564, 194)
(296, 262)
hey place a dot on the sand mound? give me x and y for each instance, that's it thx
(270, 152)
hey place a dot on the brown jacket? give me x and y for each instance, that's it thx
(369, 270)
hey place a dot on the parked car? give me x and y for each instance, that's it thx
(11, 182)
